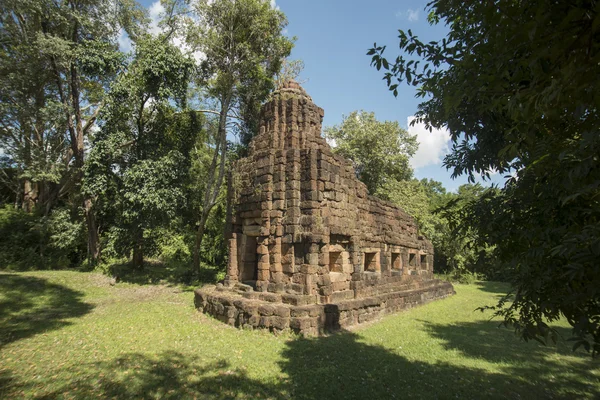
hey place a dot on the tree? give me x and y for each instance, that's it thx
(140, 160)
(440, 217)
(516, 84)
(31, 121)
(290, 70)
(410, 195)
(68, 53)
(244, 45)
(458, 240)
(379, 150)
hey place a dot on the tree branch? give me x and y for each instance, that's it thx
(93, 118)
(218, 113)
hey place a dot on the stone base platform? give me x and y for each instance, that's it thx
(243, 307)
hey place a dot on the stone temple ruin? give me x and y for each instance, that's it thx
(310, 249)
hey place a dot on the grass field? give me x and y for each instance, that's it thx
(68, 334)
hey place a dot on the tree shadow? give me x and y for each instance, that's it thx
(157, 272)
(572, 375)
(5, 381)
(493, 287)
(333, 367)
(30, 305)
(342, 366)
(168, 375)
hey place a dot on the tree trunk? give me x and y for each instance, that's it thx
(28, 195)
(213, 184)
(229, 208)
(77, 134)
(93, 236)
(138, 250)
(198, 242)
(28, 186)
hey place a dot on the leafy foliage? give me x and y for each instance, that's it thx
(31, 120)
(379, 150)
(466, 256)
(516, 84)
(57, 60)
(441, 218)
(29, 241)
(290, 70)
(141, 157)
(244, 47)
(71, 101)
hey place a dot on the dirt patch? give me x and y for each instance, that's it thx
(141, 294)
(100, 280)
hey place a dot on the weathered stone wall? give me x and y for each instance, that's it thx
(250, 310)
(310, 249)
(297, 203)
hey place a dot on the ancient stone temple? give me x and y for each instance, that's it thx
(310, 249)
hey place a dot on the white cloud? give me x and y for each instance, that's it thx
(198, 56)
(433, 146)
(410, 14)
(274, 5)
(125, 43)
(156, 12)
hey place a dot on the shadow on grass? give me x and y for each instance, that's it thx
(5, 381)
(340, 366)
(497, 344)
(169, 375)
(500, 288)
(157, 272)
(30, 305)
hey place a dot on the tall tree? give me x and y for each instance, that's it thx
(73, 51)
(457, 239)
(31, 122)
(141, 155)
(379, 150)
(516, 84)
(243, 43)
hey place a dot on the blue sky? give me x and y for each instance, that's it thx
(333, 37)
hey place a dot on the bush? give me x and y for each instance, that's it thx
(29, 241)
(461, 276)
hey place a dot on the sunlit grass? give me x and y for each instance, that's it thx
(74, 335)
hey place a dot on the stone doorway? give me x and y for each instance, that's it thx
(249, 260)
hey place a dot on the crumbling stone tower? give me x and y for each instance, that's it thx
(306, 233)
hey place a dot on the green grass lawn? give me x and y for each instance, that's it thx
(72, 335)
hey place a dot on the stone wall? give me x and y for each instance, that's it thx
(305, 231)
(247, 309)
(297, 202)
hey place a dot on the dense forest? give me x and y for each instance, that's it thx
(117, 160)
(114, 158)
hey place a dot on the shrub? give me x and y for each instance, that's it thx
(29, 241)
